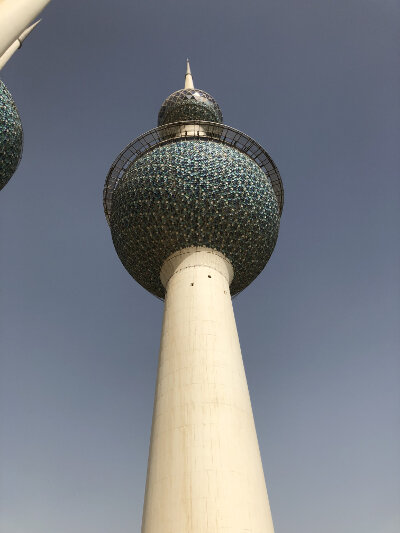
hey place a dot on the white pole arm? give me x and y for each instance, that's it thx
(15, 16)
(15, 45)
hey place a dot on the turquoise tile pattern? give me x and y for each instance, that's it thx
(194, 193)
(11, 136)
(188, 104)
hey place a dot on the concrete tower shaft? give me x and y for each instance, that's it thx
(204, 472)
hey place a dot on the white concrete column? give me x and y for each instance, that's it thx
(15, 16)
(204, 472)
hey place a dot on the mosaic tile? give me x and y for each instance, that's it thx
(194, 193)
(187, 104)
(11, 136)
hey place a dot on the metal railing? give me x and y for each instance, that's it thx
(192, 129)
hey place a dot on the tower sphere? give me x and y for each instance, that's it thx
(11, 136)
(187, 104)
(193, 182)
(194, 193)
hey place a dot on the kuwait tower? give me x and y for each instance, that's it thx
(194, 209)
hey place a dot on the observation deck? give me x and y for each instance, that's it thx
(189, 130)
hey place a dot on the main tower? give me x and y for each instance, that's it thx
(194, 209)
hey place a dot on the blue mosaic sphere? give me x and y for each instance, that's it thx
(11, 136)
(188, 104)
(194, 193)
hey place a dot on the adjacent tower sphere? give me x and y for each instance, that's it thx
(11, 136)
(193, 182)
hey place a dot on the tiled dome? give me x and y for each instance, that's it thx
(194, 193)
(187, 104)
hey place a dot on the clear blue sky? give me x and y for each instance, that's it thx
(317, 84)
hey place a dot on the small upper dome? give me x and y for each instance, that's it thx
(189, 103)
(11, 136)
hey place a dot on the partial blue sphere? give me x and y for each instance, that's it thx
(11, 136)
(194, 193)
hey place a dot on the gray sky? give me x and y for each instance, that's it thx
(317, 84)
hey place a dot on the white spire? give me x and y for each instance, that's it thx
(15, 16)
(188, 77)
(16, 44)
(26, 32)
